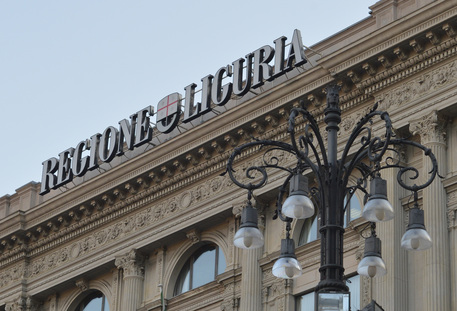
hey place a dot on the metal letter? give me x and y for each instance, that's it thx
(206, 94)
(48, 179)
(94, 142)
(262, 70)
(190, 111)
(238, 88)
(221, 94)
(280, 45)
(79, 165)
(64, 173)
(109, 144)
(143, 130)
(296, 52)
(126, 131)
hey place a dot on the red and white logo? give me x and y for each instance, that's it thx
(168, 106)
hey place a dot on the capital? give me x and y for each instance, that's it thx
(132, 263)
(431, 128)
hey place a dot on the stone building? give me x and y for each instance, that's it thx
(159, 216)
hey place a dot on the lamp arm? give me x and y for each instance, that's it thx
(404, 169)
(306, 141)
(271, 163)
(357, 164)
(376, 146)
(282, 191)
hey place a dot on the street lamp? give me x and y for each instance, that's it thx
(363, 154)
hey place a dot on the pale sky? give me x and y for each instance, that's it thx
(70, 69)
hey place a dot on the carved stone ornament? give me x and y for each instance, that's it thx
(23, 304)
(451, 209)
(82, 284)
(147, 217)
(132, 263)
(194, 236)
(13, 274)
(431, 128)
(417, 88)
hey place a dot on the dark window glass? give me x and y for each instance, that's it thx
(353, 210)
(201, 268)
(306, 302)
(309, 231)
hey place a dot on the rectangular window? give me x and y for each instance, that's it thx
(306, 301)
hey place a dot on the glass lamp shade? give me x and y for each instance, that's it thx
(248, 238)
(378, 207)
(298, 207)
(377, 210)
(416, 238)
(287, 266)
(249, 235)
(372, 264)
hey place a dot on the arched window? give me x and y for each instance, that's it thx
(353, 210)
(201, 268)
(96, 301)
(309, 231)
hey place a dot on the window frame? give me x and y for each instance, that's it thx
(298, 304)
(188, 268)
(89, 298)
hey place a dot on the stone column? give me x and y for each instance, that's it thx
(452, 224)
(132, 265)
(251, 279)
(436, 287)
(391, 291)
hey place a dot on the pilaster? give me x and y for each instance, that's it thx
(251, 279)
(436, 293)
(132, 265)
(392, 289)
(452, 225)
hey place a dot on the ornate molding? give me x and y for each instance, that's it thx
(13, 274)
(82, 284)
(132, 263)
(23, 303)
(418, 88)
(431, 128)
(452, 210)
(194, 236)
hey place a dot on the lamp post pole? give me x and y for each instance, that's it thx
(332, 211)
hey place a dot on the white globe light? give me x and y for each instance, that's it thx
(378, 207)
(377, 210)
(298, 207)
(372, 266)
(416, 238)
(248, 238)
(287, 268)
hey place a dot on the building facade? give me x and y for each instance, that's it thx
(159, 220)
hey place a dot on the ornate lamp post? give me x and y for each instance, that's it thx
(363, 153)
